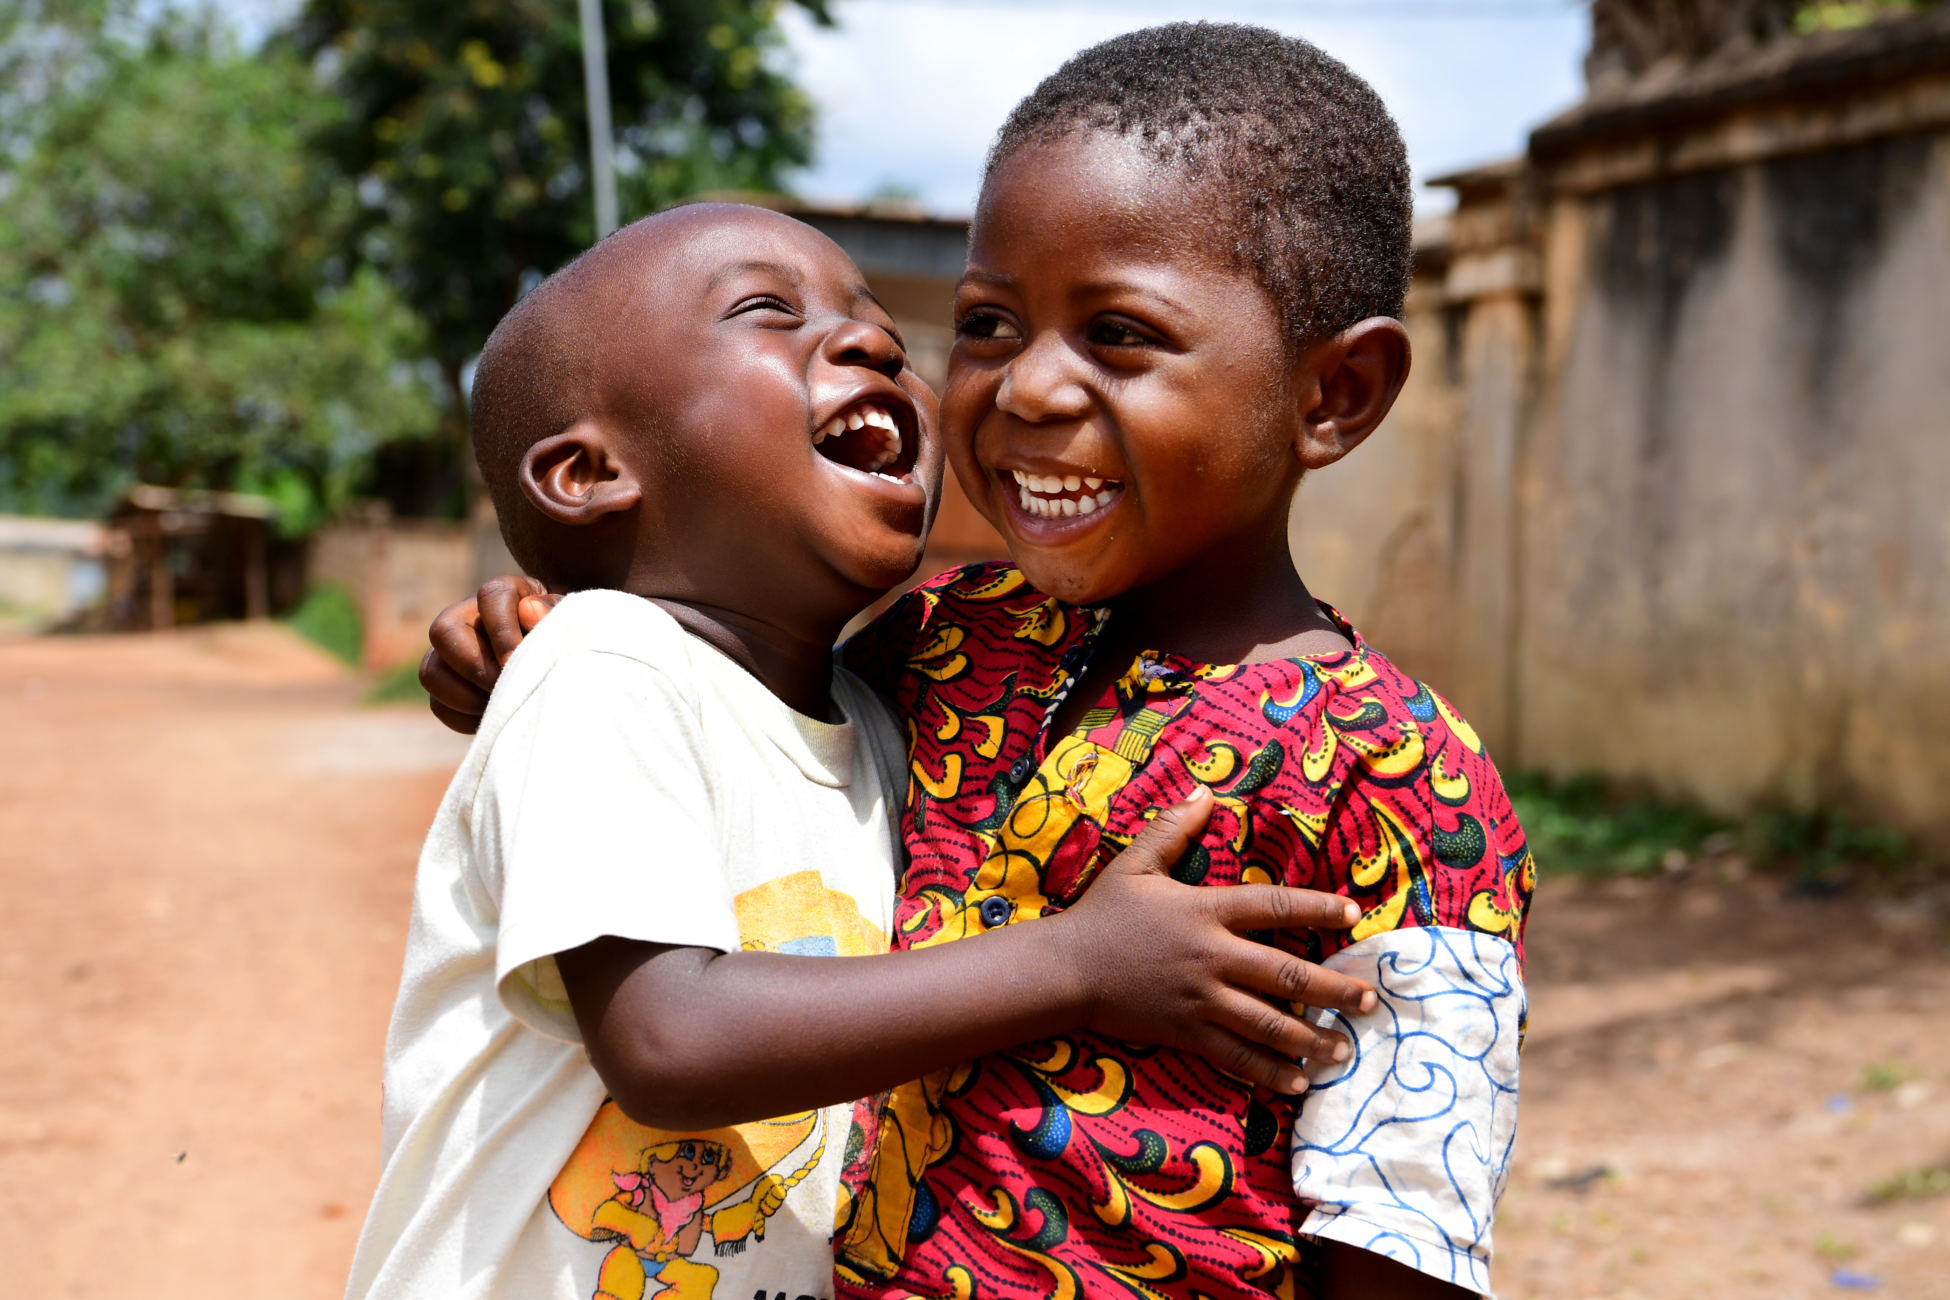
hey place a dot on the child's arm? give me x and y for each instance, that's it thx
(1352, 1273)
(690, 1038)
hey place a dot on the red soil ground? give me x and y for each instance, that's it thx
(208, 851)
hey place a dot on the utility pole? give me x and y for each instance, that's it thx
(595, 78)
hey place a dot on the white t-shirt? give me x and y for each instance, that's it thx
(627, 780)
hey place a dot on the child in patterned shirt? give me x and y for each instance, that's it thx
(1186, 262)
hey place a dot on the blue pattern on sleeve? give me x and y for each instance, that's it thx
(1405, 1148)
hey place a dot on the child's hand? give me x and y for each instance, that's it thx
(471, 640)
(1168, 963)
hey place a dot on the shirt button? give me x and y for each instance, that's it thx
(996, 911)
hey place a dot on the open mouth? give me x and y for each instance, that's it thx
(1056, 496)
(870, 436)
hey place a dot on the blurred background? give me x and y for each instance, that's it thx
(1663, 509)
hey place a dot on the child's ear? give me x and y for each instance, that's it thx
(573, 478)
(1356, 376)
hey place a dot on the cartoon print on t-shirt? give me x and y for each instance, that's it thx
(656, 1195)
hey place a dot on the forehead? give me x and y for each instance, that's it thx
(1102, 197)
(691, 250)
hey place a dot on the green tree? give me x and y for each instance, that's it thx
(465, 122)
(174, 304)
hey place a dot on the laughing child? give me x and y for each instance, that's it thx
(648, 910)
(1185, 269)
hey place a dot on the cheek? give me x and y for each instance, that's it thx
(960, 427)
(966, 400)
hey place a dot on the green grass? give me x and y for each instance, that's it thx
(399, 684)
(1887, 1076)
(329, 617)
(1919, 1184)
(1582, 825)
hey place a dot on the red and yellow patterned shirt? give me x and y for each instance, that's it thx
(1081, 1166)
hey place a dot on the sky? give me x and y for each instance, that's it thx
(910, 92)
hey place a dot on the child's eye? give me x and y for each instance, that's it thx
(762, 302)
(1116, 334)
(986, 325)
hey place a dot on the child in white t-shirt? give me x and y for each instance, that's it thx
(706, 428)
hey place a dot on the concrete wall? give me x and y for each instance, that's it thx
(1735, 566)
(1666, 496)
(402, 573)
(51, 570)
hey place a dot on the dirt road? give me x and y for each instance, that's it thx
(206, 850)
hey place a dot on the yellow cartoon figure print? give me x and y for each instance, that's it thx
(670, 1204)
(658, 1202)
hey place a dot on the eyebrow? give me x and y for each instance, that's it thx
(780, 269)
(1090, 288)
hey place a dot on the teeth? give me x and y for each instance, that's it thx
(855, 420)
(1039, 494)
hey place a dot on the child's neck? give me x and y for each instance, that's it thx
(793, 664)
(1249, 607)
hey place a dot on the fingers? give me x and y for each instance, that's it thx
(1277, 907)
(457, 640)
(465, 723)
(1262, 969)
(451, 694)
(1264, 1025)
(500, 601)
(1245, 1060)
(533, 609)
(1167, 838)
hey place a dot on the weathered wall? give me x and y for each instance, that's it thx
(51, 570)
(402, 572)
(1735, 563)
(1666, 495)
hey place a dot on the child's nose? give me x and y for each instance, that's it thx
(1037, 384)
(861, 343)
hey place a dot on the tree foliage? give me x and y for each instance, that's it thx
(465, 122)
(174, 301)
(268, 271)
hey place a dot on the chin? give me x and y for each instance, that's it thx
(883, 568)
(1066, 582)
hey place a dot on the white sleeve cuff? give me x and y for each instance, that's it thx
(1405, 1148)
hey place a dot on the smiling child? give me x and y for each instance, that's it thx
(646, 975)
(1185, 272)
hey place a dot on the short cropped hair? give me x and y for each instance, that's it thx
(535, 377)
(1306, 169)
